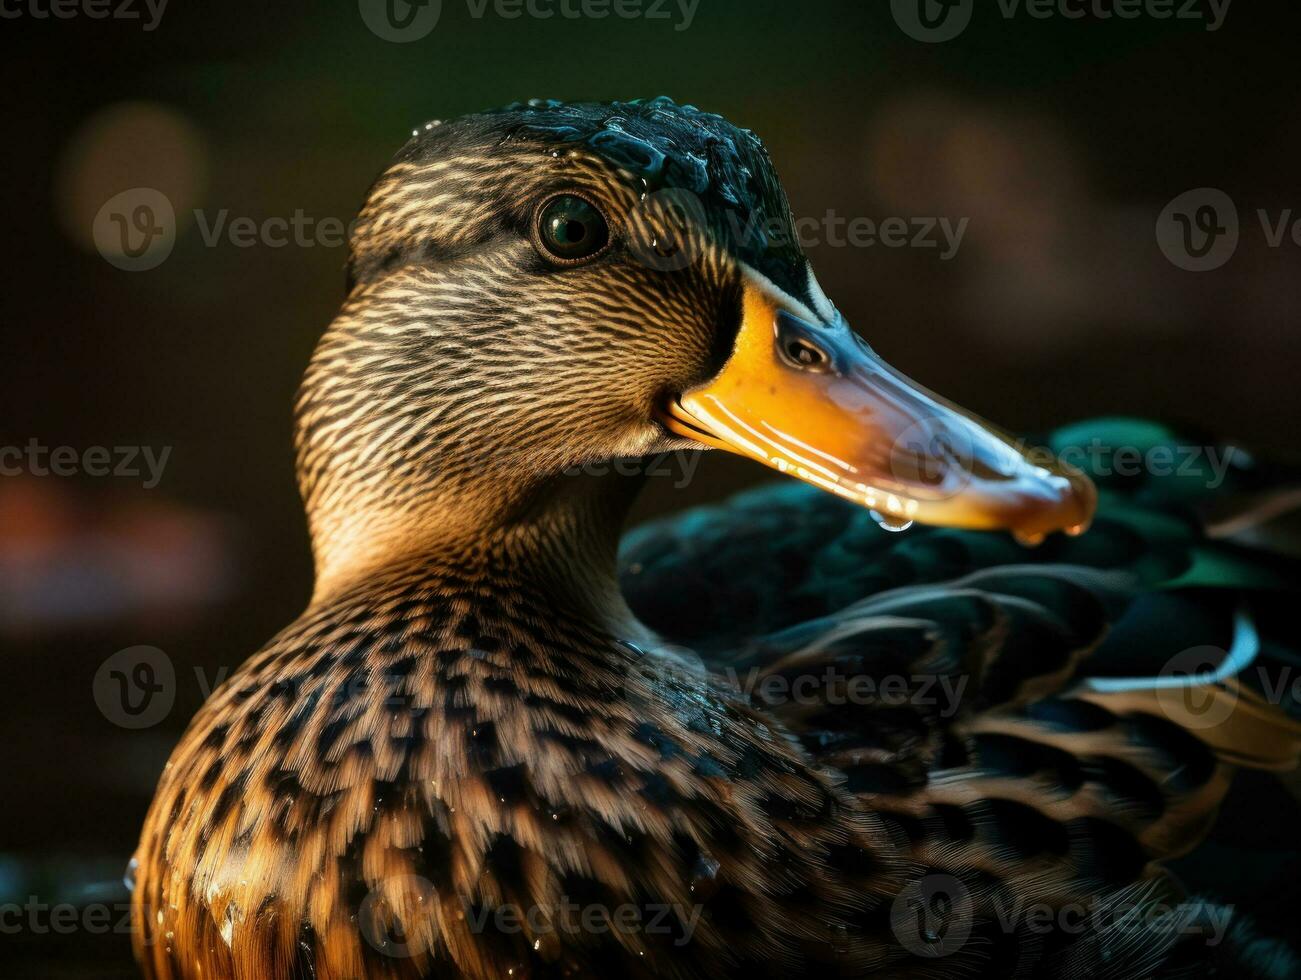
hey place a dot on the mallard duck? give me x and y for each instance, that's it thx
(476, 754)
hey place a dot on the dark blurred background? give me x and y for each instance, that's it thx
(1059, 140)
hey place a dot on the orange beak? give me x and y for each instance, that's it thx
(812, 400)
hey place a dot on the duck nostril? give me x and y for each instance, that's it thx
(804, 354)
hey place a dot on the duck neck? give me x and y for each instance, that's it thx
(558, 541)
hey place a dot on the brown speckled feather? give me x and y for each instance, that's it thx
(467, 732)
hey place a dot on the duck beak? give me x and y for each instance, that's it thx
(811, 399)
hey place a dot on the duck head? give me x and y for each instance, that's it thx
(553, 285)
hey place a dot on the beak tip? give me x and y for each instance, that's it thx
(1064, 501)
(1085, 496)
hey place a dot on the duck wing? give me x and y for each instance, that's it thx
(1038, 727)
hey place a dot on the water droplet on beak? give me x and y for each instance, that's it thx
(889, 523)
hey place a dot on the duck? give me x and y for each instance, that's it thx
(907, 713)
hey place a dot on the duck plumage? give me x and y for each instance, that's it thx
(487, 749)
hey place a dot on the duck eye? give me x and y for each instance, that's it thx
(569, 229)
